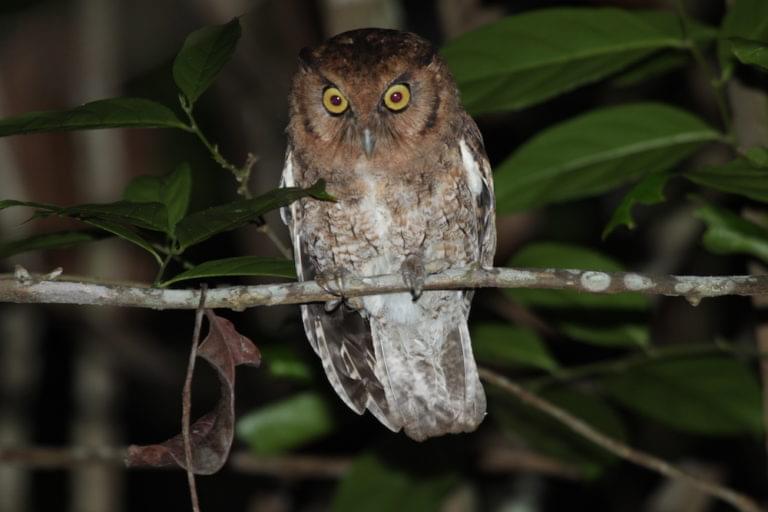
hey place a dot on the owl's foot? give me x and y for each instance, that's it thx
(414, 274)
(334, 283)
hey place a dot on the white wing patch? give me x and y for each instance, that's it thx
(474, 175)
(287, 181)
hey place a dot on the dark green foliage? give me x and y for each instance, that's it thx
(384, 486)
(596, 152)
(650, 190)
(707, 395)
(238, 266)
(204, 54)
(288, 424)
(525, 59)
(110, 113)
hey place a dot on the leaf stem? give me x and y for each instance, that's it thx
(242, 174)
(717, 83)
(161, 270)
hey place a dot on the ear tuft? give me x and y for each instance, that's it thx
(306, 59)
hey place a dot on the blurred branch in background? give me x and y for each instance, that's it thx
(95, 385)
(740, 501)
(21, 335)
(496, 460)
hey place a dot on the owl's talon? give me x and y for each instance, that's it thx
(331, 282)
(334, 283)
(414, 274)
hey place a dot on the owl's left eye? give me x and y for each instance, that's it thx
(397, 97)
(333, 101)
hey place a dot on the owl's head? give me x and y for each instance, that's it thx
(371, 93)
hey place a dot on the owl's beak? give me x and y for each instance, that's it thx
(369, 141)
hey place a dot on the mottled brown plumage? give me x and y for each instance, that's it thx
(414, 190)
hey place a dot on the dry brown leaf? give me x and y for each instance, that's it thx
(211, 436)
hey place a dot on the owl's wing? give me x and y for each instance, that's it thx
(480, 182)
(342, 337)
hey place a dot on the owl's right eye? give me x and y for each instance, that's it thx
(333, 101)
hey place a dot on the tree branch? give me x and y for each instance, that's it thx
(26, 288)
(618, 448)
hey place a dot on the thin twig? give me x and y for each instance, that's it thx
(38, 289)
(614, 366)
(618, 448)
(717, 83)
(242, 174)
(213, 149)
(186, 402)
(284, 250)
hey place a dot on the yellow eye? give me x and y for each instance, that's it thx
(333, 101)
(397, 97)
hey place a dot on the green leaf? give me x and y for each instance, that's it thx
(746, 19)
(375, 486)
(669, 23)
(710, 395)
(530, 57)
(109, 113)
(204, 53)
(741, 176)
(749, 52)
(283, 362)
(551, 437)
(618, 334)
(508, 346)
(650, 190)
(172, 190)
(127, 234)
(200, 226)
(48, 241)
(596, 152)
(285, 425)
(728, 233)
(612, 320)
(238, 266)
(656, 65)
(151, 216)
(108, 217)
(757, 155)
(9, 203)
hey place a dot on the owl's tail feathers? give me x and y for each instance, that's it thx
(429, 376)
(342, 339)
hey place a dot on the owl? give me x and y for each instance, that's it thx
(376, 114)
